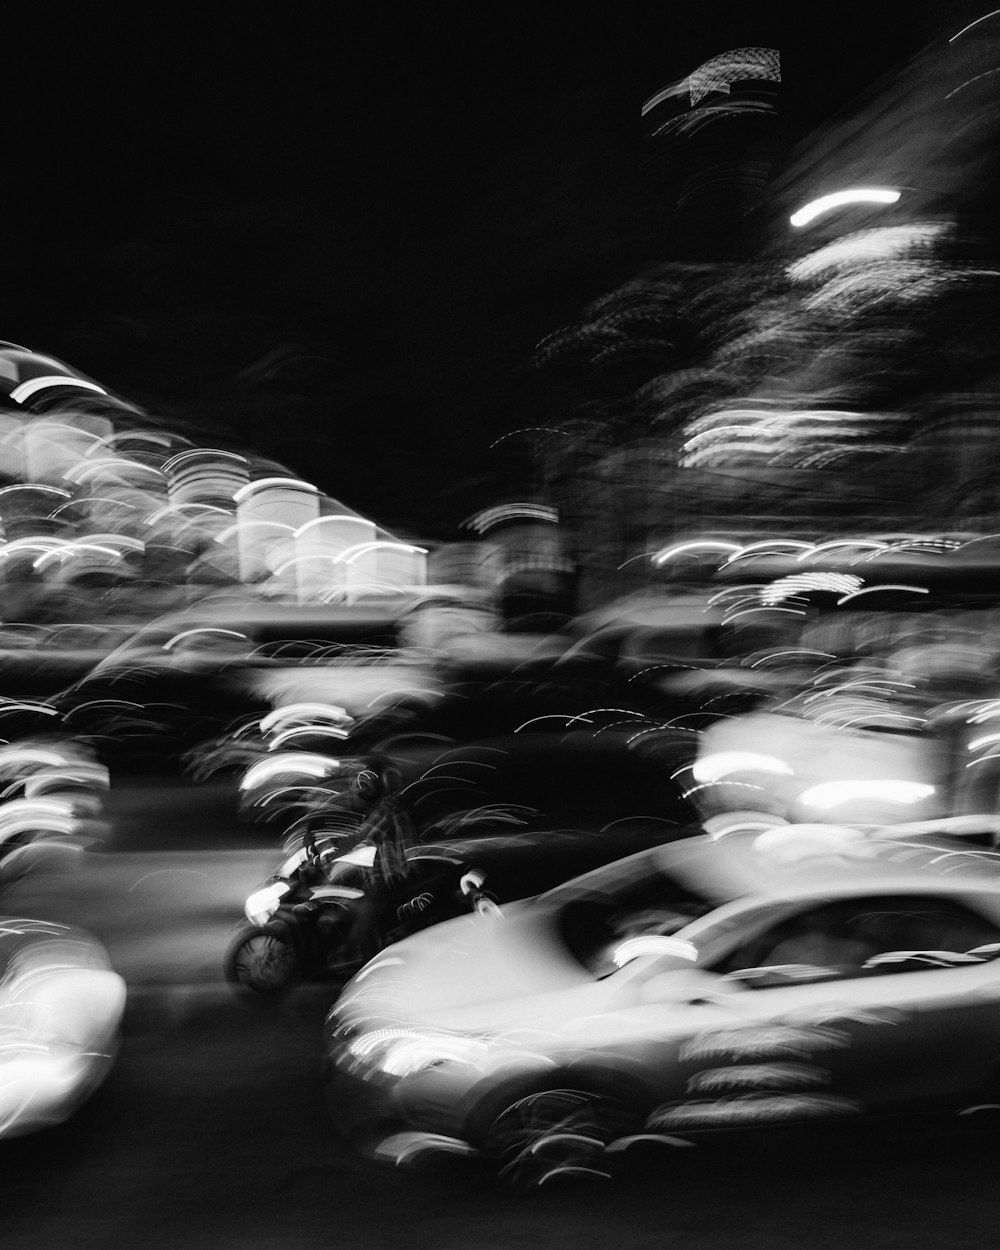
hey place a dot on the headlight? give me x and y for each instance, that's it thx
(830, 794)
(402, 1052)
(39, 1090)
(262, 904)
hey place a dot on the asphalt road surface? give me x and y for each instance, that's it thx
(212, 1130)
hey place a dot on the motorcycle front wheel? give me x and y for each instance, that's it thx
(260, 963)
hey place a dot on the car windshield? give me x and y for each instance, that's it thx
(635, 912)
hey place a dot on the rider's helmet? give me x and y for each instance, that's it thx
(367, 785)
(375, 780)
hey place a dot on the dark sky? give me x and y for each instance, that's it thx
(333, 235)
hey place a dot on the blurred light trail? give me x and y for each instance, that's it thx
(31, 387)
(975, 23)
(699, 544)
(917, 590)
(858, 195)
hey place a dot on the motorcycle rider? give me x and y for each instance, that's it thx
(399, 890)
(387, 825)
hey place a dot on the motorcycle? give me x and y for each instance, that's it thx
(321, 915)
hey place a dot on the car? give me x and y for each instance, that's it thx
(808, 769)
(589, 762)
(798, 975)
(61, 1008)
(529, 811)
(852, 750)
(145, 705)
(407, 707)
(53, 804)
(189, 682)
(38, 660)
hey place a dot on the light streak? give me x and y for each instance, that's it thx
(701, 544)
(917, 590)
(830, 794)
(985, 17)
(714, 767)
(269, 483)
(826, 203)
(20, 393)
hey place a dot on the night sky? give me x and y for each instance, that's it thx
(335, 237)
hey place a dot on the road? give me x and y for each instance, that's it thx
(212, 1131)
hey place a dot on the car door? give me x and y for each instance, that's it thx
(871, 1002)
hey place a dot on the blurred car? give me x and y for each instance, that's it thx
(847, 770)
(497, 694)
(800, 975)
(611, 768)
(859, 744)
(280, 761)
(686, 653)
(532, 810)
(189, 679)
(53, 803)
(61, 1008)
(287, 753)
(154, 698)
(37, 660)
(411, 708)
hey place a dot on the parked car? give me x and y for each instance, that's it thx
(799, 975)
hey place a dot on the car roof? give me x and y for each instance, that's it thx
(805, 861)
(809, 859)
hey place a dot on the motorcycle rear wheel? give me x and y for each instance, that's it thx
(261, 963)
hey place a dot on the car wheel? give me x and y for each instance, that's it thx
(555, 1134)
(261, 963)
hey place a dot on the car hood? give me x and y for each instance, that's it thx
(464, 965)
(506, 973)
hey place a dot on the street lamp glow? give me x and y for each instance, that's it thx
(859, 195)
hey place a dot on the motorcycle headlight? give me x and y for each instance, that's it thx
(263, 903)
(402, 1052)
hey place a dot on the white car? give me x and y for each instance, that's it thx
(61, 1008)
(790, 976)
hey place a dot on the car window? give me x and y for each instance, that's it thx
(293, 649)
(863, 937)
(147, 641)
(663, 646)
(603, 932)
